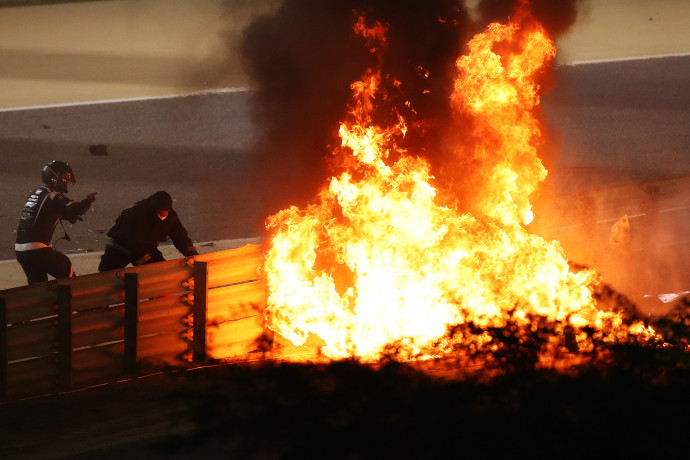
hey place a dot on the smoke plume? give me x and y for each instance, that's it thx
(303, 58)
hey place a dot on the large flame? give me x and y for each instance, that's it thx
(381, 259)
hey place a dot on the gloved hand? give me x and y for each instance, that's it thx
(191, 251)
(142, 260)
(86, 202)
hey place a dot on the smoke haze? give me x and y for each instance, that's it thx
(303, 58)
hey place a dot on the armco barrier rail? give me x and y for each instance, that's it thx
(95, 328)
(72, 333)
(658, 212)
(659, 216)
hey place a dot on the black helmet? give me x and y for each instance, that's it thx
(57, 174)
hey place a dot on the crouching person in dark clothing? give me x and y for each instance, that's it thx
(44, 208)
(138, 230)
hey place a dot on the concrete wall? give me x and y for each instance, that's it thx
(89, 51)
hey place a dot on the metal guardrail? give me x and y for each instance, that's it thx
(658, 212)
(658, 259)
(71, 333)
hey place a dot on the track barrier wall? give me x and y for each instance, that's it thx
(658, 213)
(71, 333)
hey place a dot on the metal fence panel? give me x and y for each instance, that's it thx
(97, 364)
(97, 326)
(32, 340)
(164, 314)
(25, 303)
(96, 290)
(173, 349)
(90, 329)
(236, 301)
(32, 377)
(233, 338)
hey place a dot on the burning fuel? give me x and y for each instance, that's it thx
(385, 262)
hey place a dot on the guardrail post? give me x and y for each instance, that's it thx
(64, 319)
(3, 349)
(131, 321)
(200, 311)
(269, 334)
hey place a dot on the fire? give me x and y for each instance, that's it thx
(383, 259)
(500, 94)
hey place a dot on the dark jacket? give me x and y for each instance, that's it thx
(138, 231)
(41, 213)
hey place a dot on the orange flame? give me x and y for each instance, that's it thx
(500, 94)
(379, 259)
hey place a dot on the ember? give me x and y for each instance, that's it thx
(386, 263)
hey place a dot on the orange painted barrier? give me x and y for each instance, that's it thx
(70, 333)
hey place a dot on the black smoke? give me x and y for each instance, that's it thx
(302, 59)
(556, 16)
